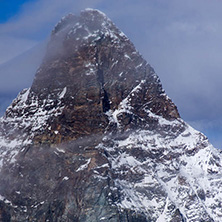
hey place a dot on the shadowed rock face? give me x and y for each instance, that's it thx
(95, 138)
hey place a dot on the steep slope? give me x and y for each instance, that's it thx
(96, 138)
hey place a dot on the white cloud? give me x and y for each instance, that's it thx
(12, 47)
(34, 23)
(38, 15)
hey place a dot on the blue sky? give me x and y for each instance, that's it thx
(10, 8)
(180, 39)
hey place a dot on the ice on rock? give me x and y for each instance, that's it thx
(62, 94)
(84, 166)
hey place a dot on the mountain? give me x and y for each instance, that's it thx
(96, 138)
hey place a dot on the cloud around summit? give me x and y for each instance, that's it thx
(180, 39)
(34, 22)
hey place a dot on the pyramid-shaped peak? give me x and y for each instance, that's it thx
(90, 23)
(95, 63)
(96, 138)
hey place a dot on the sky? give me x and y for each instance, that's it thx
(180, 39)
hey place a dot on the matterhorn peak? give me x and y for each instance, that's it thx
(92, 21)
(96, 138)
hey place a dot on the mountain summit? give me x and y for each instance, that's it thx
(96, 138)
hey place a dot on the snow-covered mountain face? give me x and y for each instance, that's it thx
(96, 138)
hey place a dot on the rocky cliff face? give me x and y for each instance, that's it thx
(96, 138)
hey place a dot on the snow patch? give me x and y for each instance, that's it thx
(24, 96)
(62, 94)
(127, 56)
(84, 166)
(60, 150)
